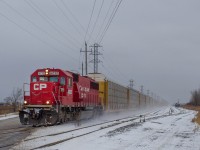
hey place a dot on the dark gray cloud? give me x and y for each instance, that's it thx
(156, 43)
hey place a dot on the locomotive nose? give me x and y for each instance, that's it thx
(42, 93)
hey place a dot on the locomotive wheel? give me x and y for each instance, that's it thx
(77, 115)
(51, 118)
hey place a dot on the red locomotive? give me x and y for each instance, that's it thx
(57, 95)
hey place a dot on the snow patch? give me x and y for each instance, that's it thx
(8, 116)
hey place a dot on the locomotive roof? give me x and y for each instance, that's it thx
(66, 72)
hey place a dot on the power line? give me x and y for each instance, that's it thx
(67, 8)
(59, 27)
(65, 15)
(120, 75)
(115, 70)
(31, 22)
(111, 74)
(114, 75)
(90, 20)
(96, 20)
(36, 37)
(49, 20)
(110, 20)
(110, 6)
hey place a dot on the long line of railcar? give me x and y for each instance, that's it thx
(118, 97)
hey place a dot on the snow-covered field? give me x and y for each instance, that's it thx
(164, 128)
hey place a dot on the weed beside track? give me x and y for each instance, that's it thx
(196, 108)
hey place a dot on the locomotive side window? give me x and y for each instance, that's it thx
(70, 82)
(62, 80)
(34, 79)
(43, 78)
(53, 79)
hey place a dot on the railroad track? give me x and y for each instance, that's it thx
(96, 128)
(68, 131)
(108, 124)
(9, 137)
(20, 129)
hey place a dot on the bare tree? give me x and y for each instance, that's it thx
(195, 98)
(14, 98)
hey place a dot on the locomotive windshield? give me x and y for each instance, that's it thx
(51, 79)
(43, 79)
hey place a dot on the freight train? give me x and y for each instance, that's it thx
(55, 96)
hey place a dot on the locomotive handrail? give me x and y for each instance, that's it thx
(59, 95)
(54, 97)
(55, 101)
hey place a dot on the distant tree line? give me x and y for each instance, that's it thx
(195, 97)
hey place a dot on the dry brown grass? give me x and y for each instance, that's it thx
(191, 107)
(6, 109)
(196, 108)
(197, 118)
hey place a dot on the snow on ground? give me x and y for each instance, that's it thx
(174, 131)
(107, 116)
(8, 116)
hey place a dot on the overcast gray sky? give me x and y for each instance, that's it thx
(155, 43)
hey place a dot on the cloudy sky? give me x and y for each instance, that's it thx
(155, 43)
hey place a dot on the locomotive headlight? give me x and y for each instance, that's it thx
(47, 102)
(25, 102)
(46, 71)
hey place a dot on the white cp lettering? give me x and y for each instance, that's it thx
(39, 86)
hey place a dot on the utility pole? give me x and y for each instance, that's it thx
(82, 68)
(148, 92)
(142, 87)
(149, 97)
(96, 53)
(86, 70)
(152, 95)
(131, 83)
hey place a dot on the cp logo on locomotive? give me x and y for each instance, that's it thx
(39, 86)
